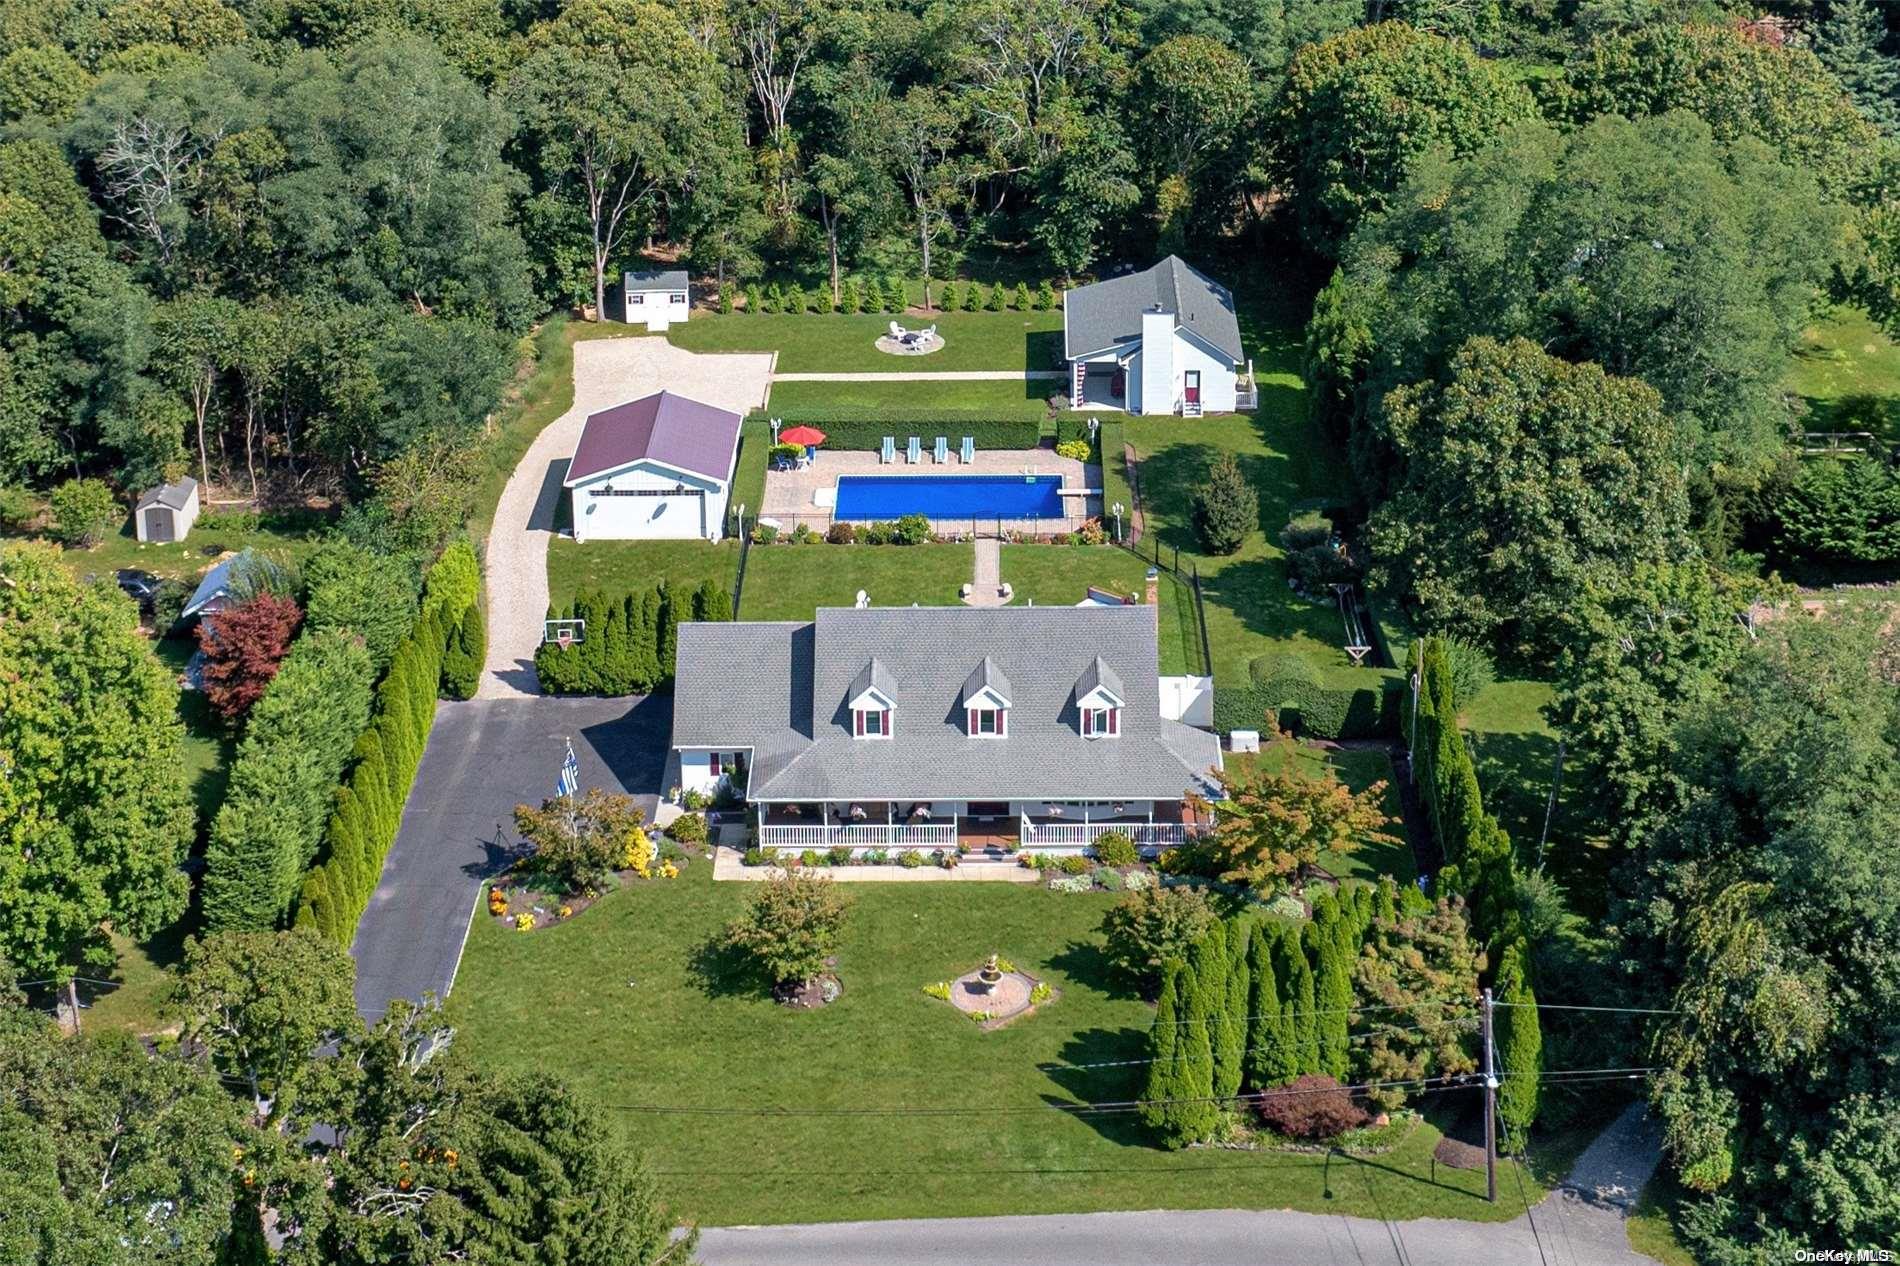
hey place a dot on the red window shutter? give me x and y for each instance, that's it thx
(1002, 723)
(857, 721)
(714, 760)
(969, 720)
(1088, 722)
(890, 722)
(1114, 720)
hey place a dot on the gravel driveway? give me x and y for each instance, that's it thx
(606, 372)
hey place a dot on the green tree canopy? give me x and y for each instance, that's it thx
(95, 814)
(1358, 110)
(1523, 479)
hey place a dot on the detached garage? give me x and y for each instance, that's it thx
(657, 468)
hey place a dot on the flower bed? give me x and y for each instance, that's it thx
(522, 900)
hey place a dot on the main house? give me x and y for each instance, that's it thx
(659, 467)
(1161, 341)
(940, 727)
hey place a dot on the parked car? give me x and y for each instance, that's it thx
(140, 586)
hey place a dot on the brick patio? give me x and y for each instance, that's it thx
(791, 495)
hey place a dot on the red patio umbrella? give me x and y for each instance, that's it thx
(803, 436)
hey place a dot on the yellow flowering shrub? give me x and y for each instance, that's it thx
(638, 857)
(524, 922)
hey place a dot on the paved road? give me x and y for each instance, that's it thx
(484, 757)
(1579, 1224)
(606, 372)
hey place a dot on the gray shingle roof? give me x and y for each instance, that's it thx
(665, 279)
(172, 495)
(664, 427)
(1109, 312)
(1099, 675)
(782, 689)
(874, 677)
(985, 676)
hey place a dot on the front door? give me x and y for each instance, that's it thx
(1193, 386)
(158, 524)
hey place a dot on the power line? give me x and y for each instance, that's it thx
(1560, 1006)
(1465, 1021)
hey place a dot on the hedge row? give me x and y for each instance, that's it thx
(1342, 704)
(628, 643)
(368, 808)
(864, 430)
(283, 781)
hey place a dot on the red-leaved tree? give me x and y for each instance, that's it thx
(243, 645)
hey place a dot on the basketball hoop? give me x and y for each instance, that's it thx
(563, 633)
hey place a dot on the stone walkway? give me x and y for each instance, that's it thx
(606, 372)
(986, 582)
(925, 375)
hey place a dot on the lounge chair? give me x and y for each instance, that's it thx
(888, 453)
(942, 453)
(914, 451)
(897, 331)
(969, 450)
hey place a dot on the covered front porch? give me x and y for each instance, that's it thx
(968, 825)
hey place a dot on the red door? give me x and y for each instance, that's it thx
(1193, 386)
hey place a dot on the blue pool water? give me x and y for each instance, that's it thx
(868, 497)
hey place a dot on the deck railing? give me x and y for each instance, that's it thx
(1083, 834)
(859, 835)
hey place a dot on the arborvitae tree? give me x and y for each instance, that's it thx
(822, 301)
(468, 653)
(1520, 1043)
(1225, 508)
(873, 295)
(1301, 1002)
(711, 601)
(1227, 1029)
(643, 627)
(1164, 1061)
(1198, 1114)
(667, 642)
(973, 297)
(616, 663)
(1239, 996)
(998, 298)
(952, 297)
(1021, 299)
(1385, 901)
(754, 302)
(775, 298)
(1045, 297)
(725, 299)
(1332, 986)
(895, 298)
(1271, 1059)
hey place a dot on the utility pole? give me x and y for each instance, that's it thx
(1490, 1108)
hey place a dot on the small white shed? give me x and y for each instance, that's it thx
(166, 513)
(657, 299)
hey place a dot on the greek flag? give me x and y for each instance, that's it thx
(570, 780)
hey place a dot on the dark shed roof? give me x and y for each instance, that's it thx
(665, 428)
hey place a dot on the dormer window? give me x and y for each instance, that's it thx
(986, 701)
(1098, 701)
(873, 702)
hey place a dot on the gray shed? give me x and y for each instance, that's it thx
(166, 513)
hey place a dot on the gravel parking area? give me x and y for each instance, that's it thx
(606, 372)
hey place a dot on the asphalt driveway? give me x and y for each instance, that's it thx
(484, 757)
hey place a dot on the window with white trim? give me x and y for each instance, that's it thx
(636, 299)
(677, 297)
(870, 723)
(989, 722)
(1101, 722)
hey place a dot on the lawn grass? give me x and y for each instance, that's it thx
(188, 559)
(1847, 371)
(1651, 1226)
(625, 1004)
(1358, 768)
(790, 582)
(980, 400)
(847, 344)
(1060, 575)
(621, 567)
(141, 980)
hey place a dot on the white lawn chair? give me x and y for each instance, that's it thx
(888, 453)
(897, 331)
(942, 452)
(969, 450)
(914, 453)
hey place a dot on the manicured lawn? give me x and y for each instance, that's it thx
(190, 558)
(1847, 371)
(619, 567)
(1060, 575)
(1250, 610)
(143, 980)
(790, 582)
(986, 400)
(938, 1117)
(1358, 769)
(847, 344)
(1650, 1228)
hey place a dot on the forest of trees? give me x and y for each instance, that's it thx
(1560, 254)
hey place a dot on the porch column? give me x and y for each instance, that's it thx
(1078, 374)
(890, 824)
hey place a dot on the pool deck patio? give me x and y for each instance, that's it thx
(792, 496)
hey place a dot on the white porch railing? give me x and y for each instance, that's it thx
(1081, 834)
(859, 835)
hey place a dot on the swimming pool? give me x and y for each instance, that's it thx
(868, 497)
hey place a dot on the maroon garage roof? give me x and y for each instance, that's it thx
(662, 427)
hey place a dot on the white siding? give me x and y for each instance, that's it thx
(667, 517)
(1160, 376)
(657, 309)
(696, 770)
(1189, 700)
(1217, 374)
